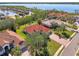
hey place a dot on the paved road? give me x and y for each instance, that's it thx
(72, 47)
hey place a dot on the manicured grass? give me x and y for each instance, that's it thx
(20, 31)
(53, 47)
(63, 33)
(72, 26)
(68, 33)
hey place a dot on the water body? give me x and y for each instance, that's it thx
(63, 7)
(8, 13)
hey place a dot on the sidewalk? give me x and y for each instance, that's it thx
(26, 53)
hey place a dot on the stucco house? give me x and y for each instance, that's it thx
(2, 16)
(76, 23)
(9, 40)
(77, 20)
(48, 22)
(37, 28)
(57, 15)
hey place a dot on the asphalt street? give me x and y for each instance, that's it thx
(71, 49)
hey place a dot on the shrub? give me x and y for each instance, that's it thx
(66, 35)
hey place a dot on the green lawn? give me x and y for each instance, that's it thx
(66, 34)
(20, 31)
(53, 47)
(63, 33)
(69, 32)
(72, 26)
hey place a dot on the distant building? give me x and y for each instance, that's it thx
(27, 12)
(76, 23)
(48, 22)
(18, 11)
(2, 16)
(54, 15)
(77, 20)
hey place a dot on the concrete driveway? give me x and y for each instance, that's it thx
(59, 40)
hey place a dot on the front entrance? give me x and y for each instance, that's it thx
(6, 51)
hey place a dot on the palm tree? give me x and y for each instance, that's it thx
(38, 43)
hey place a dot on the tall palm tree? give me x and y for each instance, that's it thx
(38, 43)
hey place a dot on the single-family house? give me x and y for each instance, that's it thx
(48, 23)
(77, 20)
(36, 28)
(54, 15)
(9, 40)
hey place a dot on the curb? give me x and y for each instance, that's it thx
(59, 50)
(71, 36)
(70, 42)
(62, 47)
(76, 52)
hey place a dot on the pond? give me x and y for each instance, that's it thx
(8, 13)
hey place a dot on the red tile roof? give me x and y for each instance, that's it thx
(9, 37)
(58, 14)
(2, 42)
(36, 27)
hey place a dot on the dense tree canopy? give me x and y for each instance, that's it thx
(38, 13)
(6, 24)
(38, 43)
(24, 20)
